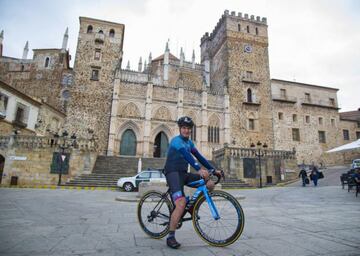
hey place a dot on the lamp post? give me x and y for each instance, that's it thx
(259, 152)
(63, 147)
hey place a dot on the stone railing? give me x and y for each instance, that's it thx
(284, 98)
(251, 153)
(33, 142)
(319, 103)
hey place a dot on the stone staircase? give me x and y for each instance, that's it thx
(108, 169)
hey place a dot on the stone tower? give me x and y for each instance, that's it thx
(98, 54)
(236, 60)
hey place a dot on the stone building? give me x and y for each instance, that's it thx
(230, 96)
(47, 76)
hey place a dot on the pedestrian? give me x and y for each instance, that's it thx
(314, 176)
(303, 175)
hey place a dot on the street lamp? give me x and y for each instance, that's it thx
(259, 153)
(63, 147)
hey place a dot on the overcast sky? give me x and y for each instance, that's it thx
(310, 41)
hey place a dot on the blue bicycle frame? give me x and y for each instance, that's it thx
(200, 186)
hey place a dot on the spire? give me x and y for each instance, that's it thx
(128, 65)
(1, 40)
(140, 65)
(145, 65)
(26, 50)
(182, 57)
(193, 59)
(65, 40)
(167, 46)
(150, 58)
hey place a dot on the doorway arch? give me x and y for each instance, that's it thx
(128, 143)
(161, 144)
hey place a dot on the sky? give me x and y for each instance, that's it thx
(310, 41)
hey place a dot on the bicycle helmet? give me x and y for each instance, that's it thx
(185, 121)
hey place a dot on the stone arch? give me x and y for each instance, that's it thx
(128, 143)
(129, 110)
(162, 128)
(194, 116)
(214, 120)
(189, 81)
(163, 113)
(129, 125)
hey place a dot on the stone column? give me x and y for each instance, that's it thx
(147, 123)
(113, 118)
(204, 124)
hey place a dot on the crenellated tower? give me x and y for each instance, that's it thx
(236, 60)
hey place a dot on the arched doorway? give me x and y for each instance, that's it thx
(2, 164)
(161, 145)
(128, 143)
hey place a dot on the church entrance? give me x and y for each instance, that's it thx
(161, 145)
(2, 164)
(128, 143)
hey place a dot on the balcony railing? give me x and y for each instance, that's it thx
(318, 103)
(250, 80)
(252, 103)
(284, 98)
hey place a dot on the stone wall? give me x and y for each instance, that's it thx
(29, 158)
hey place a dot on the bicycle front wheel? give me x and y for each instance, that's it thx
(228, 228)
(154, 210)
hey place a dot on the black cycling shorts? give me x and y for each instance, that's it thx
(177, 180)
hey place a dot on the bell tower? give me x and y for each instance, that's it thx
(237, 53)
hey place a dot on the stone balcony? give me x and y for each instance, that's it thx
(284, 98)
(319, 103)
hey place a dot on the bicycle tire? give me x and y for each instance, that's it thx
(199, 210)
(150, 213)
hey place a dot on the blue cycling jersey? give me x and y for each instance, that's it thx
(180, 153)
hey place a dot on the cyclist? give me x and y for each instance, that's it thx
(179, 155)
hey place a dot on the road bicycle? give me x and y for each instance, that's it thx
(217, 216)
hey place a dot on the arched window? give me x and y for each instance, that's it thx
(239, 27)
(249, 95)
(89, 29)
(101, 32)
(248, 29)
(47, 60)
(256, 31)
(128, 143)
(213, 134)
(112, 33)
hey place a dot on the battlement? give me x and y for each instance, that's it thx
(239, 16)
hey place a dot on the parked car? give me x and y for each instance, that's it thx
(355, 164)
(131, 183)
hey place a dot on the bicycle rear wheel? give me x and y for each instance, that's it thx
(228, 228)
(154, 210)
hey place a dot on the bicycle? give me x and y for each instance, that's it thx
(155, 208)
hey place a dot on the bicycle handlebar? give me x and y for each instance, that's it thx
(218, 176)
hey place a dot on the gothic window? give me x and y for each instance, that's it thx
(249, 95)
(213, 134)
(239, 27)
(128, 143)
(47, 60)
(248, 29)
(193, 133)
(89, 29)
(112, 33)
